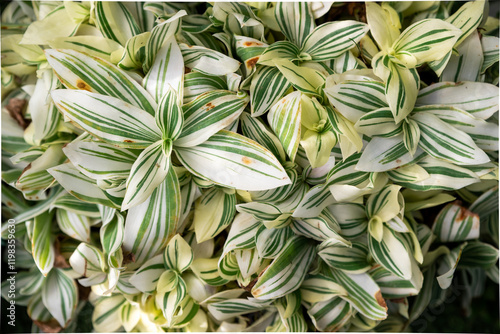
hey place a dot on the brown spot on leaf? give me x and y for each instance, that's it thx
(250, 285)
(186, 70)
(15, 108)
(248, 43)
(51, 326)
(246, 161)
(209, 106)
(252, 61)
(380, 299)
(82, 85)
(398, 161)
(128, 141)
(464, 213)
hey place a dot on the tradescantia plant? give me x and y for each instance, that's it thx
(248, 166)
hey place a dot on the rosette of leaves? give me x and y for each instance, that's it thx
(146, 186)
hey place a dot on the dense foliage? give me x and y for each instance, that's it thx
(248, 166)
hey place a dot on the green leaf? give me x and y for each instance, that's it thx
(351, 218)
(77, 70)
(411, 133)
(209, 113)
(481, 103)
(443, 141)
(287, 271)
(95, 46)
(267, 87)
(332, 39)
(455, 223)
(467, 18)
(318, 288)
(196, 83)
(35, 175)
(207, 270)
(115, 21)
(166, 71)
(108, 118)
(178, 254)
(88, 261)
(60, 296)
(322, 227)
(232, 160)
(147, 173)
(150, 225)
(230, 308)
(479, 254)
(213, 212)
(106, 315)
(277, 50)
(285, 120)
(42, 247)
(295, 20)
(393, 287)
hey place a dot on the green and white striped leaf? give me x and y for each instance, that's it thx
(287, 271)
(490, 51)
(169, 116)
(228, 267)
(285, 120)
(60, 296)
(295, 20)
(146, 174)
(74, 225)
(320, 288)
(267, 87)
(88, 261)
(445, 142)
(466, 66)
(448, 265)
(330, 315)
(208, 271)
(92, 45)
(393, 287)
(146, 277)
(305, 79)
(355, 98)
(353, 260)
(385, 204)
(133, 53)
(479, 254)
(107, 313)
(239, 19)
(209, 113)
(159, 35)
(115, 21)
(207, 61)
(100, 160)
(130, 315)
(242, 234)
(256, 130)
(111, 235)
(351, 218)
(455, 223)
(232, 160)
(314, 201)
(322, 227)
(76, 70)
(467, 18)
(427, 40)
(178, 254)
(42, 247)
(332, 39)
(379, 122)
(166, 71)
(279, 50)
(231, 308)
(384, 24)
(108, 118)
(392, 253)
(362, 293)
(411, 135)
(79, 185)
(149, 225)
(270, 241)
(35, 175)
(401, 85)
(442, 175)
(478, 98)
(196, 83)
(213, 212)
